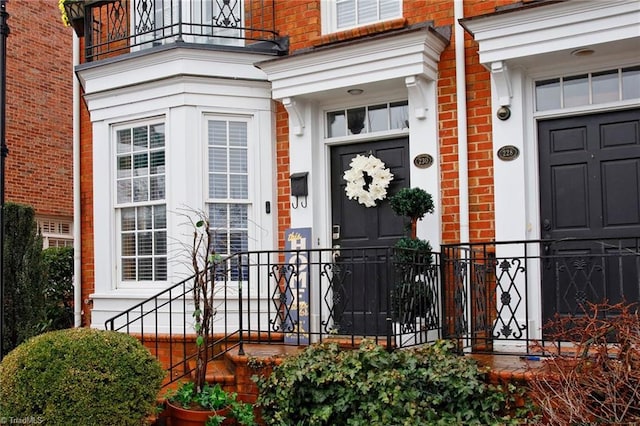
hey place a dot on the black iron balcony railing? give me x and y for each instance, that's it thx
(113, 27)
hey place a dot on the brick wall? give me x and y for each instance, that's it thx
(39, 167)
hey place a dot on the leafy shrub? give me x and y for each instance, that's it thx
(598, 380)
(58, 293)
(431, 385)
(80, 376)
(23, 271)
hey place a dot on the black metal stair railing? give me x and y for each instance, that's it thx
(114, 27)
(296, 298)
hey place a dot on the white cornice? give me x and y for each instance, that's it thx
(151, 66)
(414, 53)
(549, 28)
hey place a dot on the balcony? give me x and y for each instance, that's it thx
(115, 27)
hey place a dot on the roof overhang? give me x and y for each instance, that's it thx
(554, 29)
(392, 56)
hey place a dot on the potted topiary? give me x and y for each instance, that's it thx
(411, 298)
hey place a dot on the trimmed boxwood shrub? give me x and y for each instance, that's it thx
(80, 376)
(431, 385)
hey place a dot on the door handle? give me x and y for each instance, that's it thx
(546, 225)
(336, 252)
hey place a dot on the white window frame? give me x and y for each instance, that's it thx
(250, 201)
(329, 16)
(119, 206)
(55, 232)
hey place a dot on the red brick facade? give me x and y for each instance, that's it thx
(39, 167)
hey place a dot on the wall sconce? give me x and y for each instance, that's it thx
(299, 188)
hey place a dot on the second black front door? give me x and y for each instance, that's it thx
(589, 188)
(362, 284)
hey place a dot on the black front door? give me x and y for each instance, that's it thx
(361, 284)
(589, 188)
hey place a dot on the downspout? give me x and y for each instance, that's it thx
(461, 96)
(77, 255)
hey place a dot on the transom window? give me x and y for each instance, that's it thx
(228, 193)
(140, 202)
(339, 15)
(368, 119)
(588, 89)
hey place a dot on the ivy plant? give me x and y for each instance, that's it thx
(432, 385)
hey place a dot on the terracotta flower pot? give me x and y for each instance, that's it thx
(193, 417)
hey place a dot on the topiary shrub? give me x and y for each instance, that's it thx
(80, 376)
(431, 385)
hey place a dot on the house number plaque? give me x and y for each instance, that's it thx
(423, 161)
(508, 153)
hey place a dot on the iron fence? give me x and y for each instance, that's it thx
(499, 296)
(297, 297)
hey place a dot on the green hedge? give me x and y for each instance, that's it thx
(432, 385)
(80, 376)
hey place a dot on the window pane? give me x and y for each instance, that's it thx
(124, 191)
(237, 241)
(378, 118)
(237, 133)
(548, 94)
(140, 189)
(355, 120)
(161, 269)
(128, 219)
(123, 141)
(346, 13)
(145, 243)
(631, 83)
(239, 187)
(389, 9)
(220, 242)
(128, 244)
(367, 11)
(156, 139)
(124, 166)
(604, 87)
(145, 269)
(217, 132)
(140, 165)
(238, 160)
(217, 186)
(160, 246)
(399, 112)
(140, 138)
(336, 124)
(218, 216)
(156, 190)
(157, 163)
(128, 269)
(575, 91)
(159, 217)
(218, 160)
(145, 218)
(238, 215)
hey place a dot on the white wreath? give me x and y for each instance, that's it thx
(380, 178)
